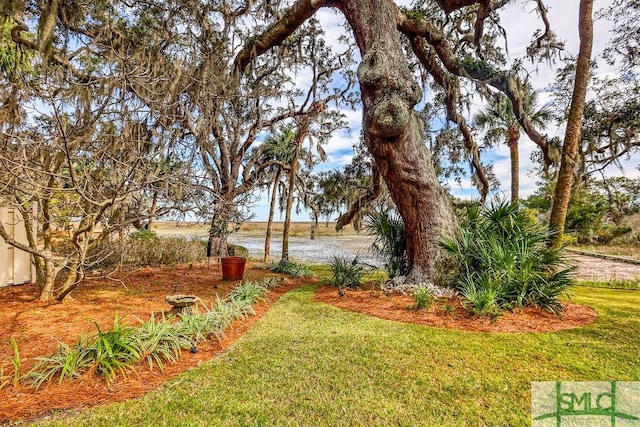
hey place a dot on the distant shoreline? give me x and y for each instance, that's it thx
(254, 228)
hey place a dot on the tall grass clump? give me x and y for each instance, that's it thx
(144, 248)
(504, 262)
(390, 240)
(107, 355)
(346, 273)
(224, 311)
(16, 361)
(201, 326)
(113, 352)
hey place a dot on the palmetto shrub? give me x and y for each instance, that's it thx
(390, 241)
(347, 273)
(504, 262)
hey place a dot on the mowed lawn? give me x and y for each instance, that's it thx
(310, 364)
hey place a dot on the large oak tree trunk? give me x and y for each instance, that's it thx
(574, 125)
(394, 133)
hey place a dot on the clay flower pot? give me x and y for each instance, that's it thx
(233, 267)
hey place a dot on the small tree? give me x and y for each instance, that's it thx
(574, 122)
(499, 123)
(278, 148)
(86, 151)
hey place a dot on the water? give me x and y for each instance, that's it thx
(321, 250)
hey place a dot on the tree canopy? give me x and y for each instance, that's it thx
(177, 100)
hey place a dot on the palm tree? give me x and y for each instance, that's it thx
(500, 123)
(279, 148)
(308, 157)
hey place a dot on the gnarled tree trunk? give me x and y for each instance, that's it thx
(219, 231)
(394, 133)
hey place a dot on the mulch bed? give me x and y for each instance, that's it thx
(138, 294)
(134, 295)
(398, 307)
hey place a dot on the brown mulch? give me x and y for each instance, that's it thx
(398, 307)
(136, 295)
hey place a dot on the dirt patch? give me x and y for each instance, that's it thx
(590, 268)
(134, 295)
(450, 313)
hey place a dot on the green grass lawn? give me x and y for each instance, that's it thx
(308, 363)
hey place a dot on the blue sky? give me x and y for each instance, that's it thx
(520, 22)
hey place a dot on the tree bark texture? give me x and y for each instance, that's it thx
(272, 208)
(513, 136)
(574, 125)
(394, 133)
(220, 226)
(293, 172)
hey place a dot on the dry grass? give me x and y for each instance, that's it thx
(253, 228)
(631, 251)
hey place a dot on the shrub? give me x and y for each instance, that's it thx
(423, 298)
(144, 235)
(157, 342)
(347, 273)
(113, 352)
(390, 243)
(67, 363)
(250, 292)
(609, 232)
(291, 268)
(504, 261)
(148, 251)
(237, 250)
(483, 297)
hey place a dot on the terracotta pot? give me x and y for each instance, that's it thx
(233, 267)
